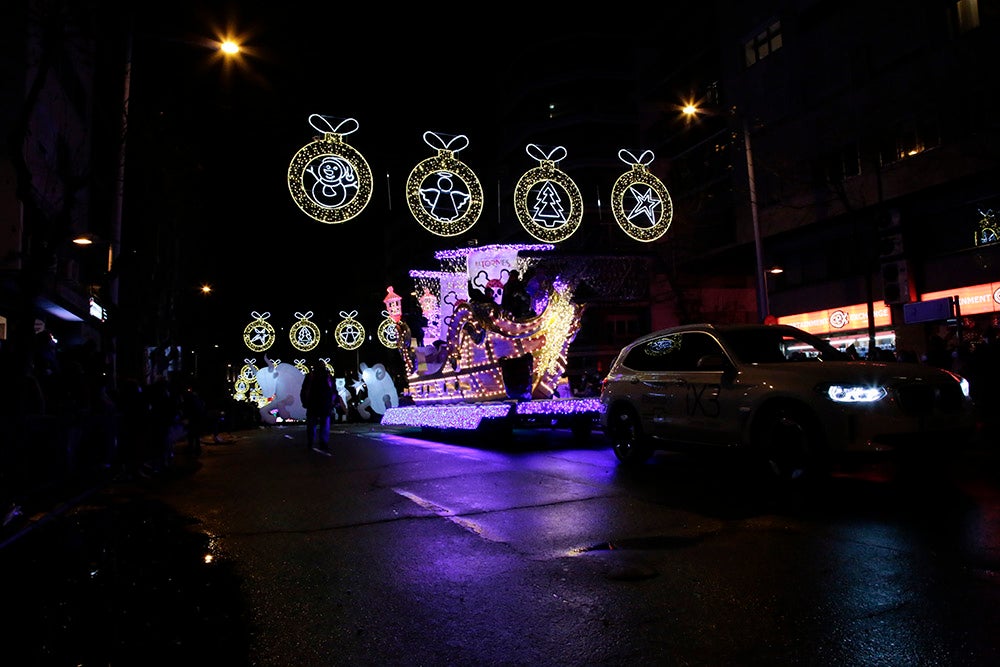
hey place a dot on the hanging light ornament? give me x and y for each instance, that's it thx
(304, 334)
(639, 200)
(547, 201)
(259, 334)
(388, 333)
(349, 334)
(301, 365)
(328, 179)
(443, 193)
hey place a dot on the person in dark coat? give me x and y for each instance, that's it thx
(317, 397)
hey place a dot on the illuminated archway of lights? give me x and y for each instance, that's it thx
(349, 333)
(304, 334)
(259, 334)
(328, 179)
(388, 333)
(443, 193)
(547, 201)
(639, 200)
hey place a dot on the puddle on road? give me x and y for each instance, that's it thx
(122, 581)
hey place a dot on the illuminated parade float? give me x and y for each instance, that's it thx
(481, 359)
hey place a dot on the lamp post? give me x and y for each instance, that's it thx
(763, 306)
(229, 50)
(691, 110)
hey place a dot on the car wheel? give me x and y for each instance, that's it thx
(625, 432)
(790, 444)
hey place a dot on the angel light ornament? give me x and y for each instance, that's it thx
(443, 193)
(259, 334)
(328, 179)
(304, 334)
(349, 333)
(547, 201)
(388, 333)
(639, 200)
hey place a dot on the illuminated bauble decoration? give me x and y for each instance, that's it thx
(304, 334)
(326, 362)
(388, 333)
(259, 335)
(349, 334)
(393, 304)
(547, 201)
(301, 365)
(328, 179)
(443, 194)
(639, 200)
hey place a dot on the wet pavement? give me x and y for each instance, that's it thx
(110, 576)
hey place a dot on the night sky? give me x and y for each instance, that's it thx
(232, 129)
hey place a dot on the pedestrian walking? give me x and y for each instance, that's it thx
(317, 397)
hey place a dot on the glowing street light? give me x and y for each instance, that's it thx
(691, 110)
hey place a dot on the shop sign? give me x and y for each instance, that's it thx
(983, 298)
(837, 320)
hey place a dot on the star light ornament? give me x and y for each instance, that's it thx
(259, 334)
(304, 334)
(328, 179)
(388, 333)
(443, 193)
(639, 200)
(547, 201)
(349, 334)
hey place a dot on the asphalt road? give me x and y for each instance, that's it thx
(401, 549)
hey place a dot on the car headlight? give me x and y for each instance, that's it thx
(854, 393)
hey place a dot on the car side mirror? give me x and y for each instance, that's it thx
(712, 362)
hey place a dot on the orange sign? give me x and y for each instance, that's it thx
(836, 320)
(984, 298)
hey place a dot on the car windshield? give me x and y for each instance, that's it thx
(769, 345)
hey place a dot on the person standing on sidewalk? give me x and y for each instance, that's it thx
(317, 398)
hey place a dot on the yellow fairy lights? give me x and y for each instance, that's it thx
(259, 334)
(443, 193)
(304, 334)
(388, 333)
(349, 333)
(328, 179)
(640, 197)
(547, 201)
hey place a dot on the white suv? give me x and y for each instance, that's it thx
(789, 398)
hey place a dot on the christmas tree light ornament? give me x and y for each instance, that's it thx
(328, 179)
(259, 334)
(443, 193)
(639, 200)
(547, 201)
(304, 334)
(349, 333)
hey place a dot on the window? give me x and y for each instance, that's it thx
(763, 44)
(909, 139)
(673, 352)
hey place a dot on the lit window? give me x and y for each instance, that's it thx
(763, 44)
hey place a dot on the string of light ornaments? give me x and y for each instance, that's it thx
(330, 181)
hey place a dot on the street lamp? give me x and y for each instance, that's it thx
(228, 49)
(691, 110)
